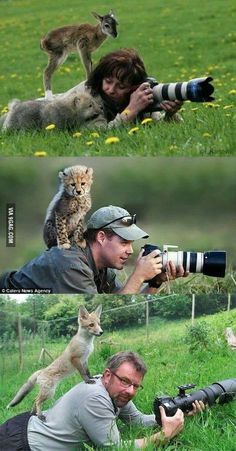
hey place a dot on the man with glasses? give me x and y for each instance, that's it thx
(110, 234)
(87, 414)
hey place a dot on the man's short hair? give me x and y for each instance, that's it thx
(91, 234)
(117, 359)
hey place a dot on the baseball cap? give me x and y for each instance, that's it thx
(117, 219)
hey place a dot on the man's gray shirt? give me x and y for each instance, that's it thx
(84, 414)
(64, 271)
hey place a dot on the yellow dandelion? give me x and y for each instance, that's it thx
(4, 110)
(212, 105)
(133, 130)
(226, 107)
(147, 120)
(67, 69)
(95, 134)
(50, 127)
(233, 91)
(77, 135)
(112, 140)
(40, 153)
(89, 143)
(206, 135)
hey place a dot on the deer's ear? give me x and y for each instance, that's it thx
(97, 16)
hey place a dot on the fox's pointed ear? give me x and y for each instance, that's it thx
(98, 310)
(83, 312)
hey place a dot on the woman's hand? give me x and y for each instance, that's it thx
(171, 106)
(139, 100)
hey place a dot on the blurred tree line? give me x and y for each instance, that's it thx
(60, 312)
(175, 198)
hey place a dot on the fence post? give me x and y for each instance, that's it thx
(193, 307)
(229, 302)
(147, 320)
(19, 327)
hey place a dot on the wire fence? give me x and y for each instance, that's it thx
(29, 335)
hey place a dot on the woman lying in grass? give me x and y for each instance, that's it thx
(118, 81)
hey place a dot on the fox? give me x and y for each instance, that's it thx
(75, 357)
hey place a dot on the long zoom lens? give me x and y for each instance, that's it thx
(222, 392)
(210, 263)
(195, 90)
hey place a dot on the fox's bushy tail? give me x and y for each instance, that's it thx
(25, 389)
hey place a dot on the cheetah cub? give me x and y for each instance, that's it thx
(64, 222)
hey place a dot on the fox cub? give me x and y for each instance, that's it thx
(64, 222)
(75, 357)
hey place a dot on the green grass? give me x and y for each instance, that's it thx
(170, 363)
(178, 40)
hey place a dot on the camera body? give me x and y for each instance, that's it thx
(195, 90)
(210, 263)
(221, 392)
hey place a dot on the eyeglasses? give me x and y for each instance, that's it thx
(126, 383)
(125, 220)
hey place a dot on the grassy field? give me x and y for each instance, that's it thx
(170, 363)
(178, 40)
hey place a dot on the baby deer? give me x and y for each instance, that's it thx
(84, 39)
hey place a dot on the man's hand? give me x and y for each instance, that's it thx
(171, 426)
(198, 406)
(148, 266)
(172, 272)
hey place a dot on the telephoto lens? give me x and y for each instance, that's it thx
(195, 90)
(210, 263)
(221, 392)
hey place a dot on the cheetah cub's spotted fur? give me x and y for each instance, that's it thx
(64, 222)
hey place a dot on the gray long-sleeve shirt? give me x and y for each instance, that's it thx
(85, 414)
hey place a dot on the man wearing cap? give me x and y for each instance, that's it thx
(110, 233)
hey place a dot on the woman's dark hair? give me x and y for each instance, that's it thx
(124, 64)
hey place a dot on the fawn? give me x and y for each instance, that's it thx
(82, 38)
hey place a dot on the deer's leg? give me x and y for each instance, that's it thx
(54, 61)
(85, 57)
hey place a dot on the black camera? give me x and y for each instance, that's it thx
(221, 392)
(195, 90)
(210, 263)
